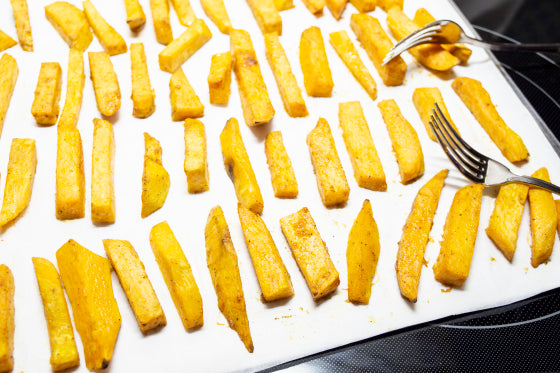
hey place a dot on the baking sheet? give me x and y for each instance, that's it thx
(285, 330)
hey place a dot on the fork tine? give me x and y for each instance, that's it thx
(420, 36)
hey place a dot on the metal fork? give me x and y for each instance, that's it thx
(475, 166)
(445, 31)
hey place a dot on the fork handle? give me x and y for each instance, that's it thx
(523, 47)
(536, 182)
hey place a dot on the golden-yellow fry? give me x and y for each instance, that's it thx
(478, 101)
(136, 284)
(364, 6)
(178, 276)
(362, 254)
(543, 220)
(135, 17)
(256, 105)
(404, 139)
(179, 50)
(216, 11)
(416, 234)
(143, 95)
(506, 217)
(8, 77)
(349, 55)
(267, 16)
(336, 7)
(239, 169)
(282, 175)
(388, 4)
(284, 4)
(422, 17)
(105, 83)
(273, 277)
(219, 78)
(285, 79)
(19, 179)
(6, 41)
(45, 106)
(102, 175)
(459, 236)
(155, 179)
(424, 100)
(331, 179)
(70, 180)
(557, 202)
(317, 77)
(74, 89)
(368, 170)
(377, 44)
(71, 24)
(23, 25)
(160, 17)
(7, 325)
(87, 279)
(184, 11)
(184, 101)
(310, 252)
(314, 6)
(224, 271)
(64, 353)
(196, 162)
(108, 37)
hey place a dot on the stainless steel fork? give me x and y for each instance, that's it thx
(475, 166)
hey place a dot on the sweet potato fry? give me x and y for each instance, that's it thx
(74, 89)
(368, 170)
(184, 101)
(143, 95)
(6, 41)
(162, 25)
(45, 106)
(388, 4)
(108, 37)
(196, 163)
(105, 83)
(70, 180)
(315, 6)
(432, 56)
(181, 49)
(184, 11)
(257, 108)
(102, 175)
(8, 77)
(377, 44)
(557, 203)
(273, 277)
(317, 77)
(136, 284)
(135, 17)
(336, 7)
(224, 271)
(282, 175)
(424, 100)
(459, 236)
(155, 179)
(239, 169)
(478, 101)
(87, 279)
(543, 220)
(349, 55)
(506, 217)
(7, 325)
(19, 179)
(178, 275)
(310, 253)
(283, 4)
(331, 179)
(267, 16)
(64, 353)
(285, 79)
(216, 11)
(364, 6)
(23, 25)
(71, 24)
(219, 78)
(404, 139)
(415, 236)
